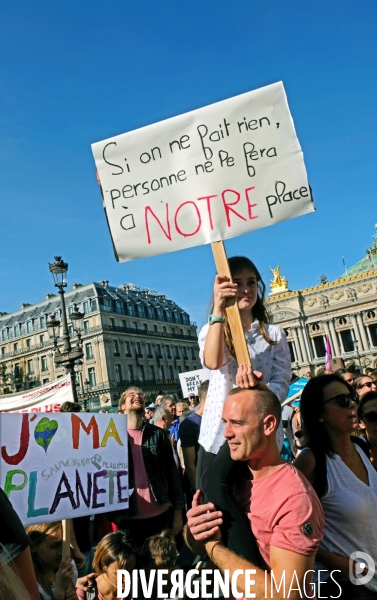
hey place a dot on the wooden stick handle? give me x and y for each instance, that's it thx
(66, 525)
(232, 313)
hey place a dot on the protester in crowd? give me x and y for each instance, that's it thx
(343, 477)
(112, 553)
(160, 552)
(364, 384)
(347, 375)
(15, 546)
(368, 370)
(149, 410)
(55, 575)
(169, 403)
(180, 408)
(11, 586)
(367, 414)
(282, 508)
(189, 441)
(193, 402)
(72, 407)
(269, 353)
(162, 418)
(159, 399)
(373, 375)
(308, 375)
(157, 501)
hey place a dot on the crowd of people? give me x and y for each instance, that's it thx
(228, 476)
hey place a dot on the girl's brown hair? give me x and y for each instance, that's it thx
(114, 547)
(37, 534)
(160, 549)
(237, 264)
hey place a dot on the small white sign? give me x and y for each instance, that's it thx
(204, 176)
(191, 380)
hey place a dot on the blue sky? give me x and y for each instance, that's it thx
(74, 73)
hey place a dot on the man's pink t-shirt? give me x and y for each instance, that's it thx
(145, 505)
(284, 511)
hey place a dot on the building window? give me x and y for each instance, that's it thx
(155, 328)
(70, 310)
(168, 351)
(140, 311)
(92, 377)
(164, 329)
(173, 330)
(142, 373)
(28, 343)
(41, 322)
(176, 352)
(347, 340)
(88, 351)
(158, 348)
(118, 373)
(15, 330)
(160, 314)
(319, 345)
(29, 327)
(168, 316)
(85, 307)
(171, 374)
(162, 371)
(292, 351)
(116, 348)
(45, 380)
(181, 331)
(150, 311)
(152, 373)
(70, 331)
(134, 325)
(44, 366)
(3, 351)
(86, 326)
(124, 324)
(145, 326)
(128, 348)
(94, 305)
(185, 354)
(112, 323)
(131, 310)
(193, 353)
(119, 307)
(138, 349)
(41, 339)
(30, 367)
(4, 335)
(149, 350)
(15, 347)
(373, 334)
(130, 372)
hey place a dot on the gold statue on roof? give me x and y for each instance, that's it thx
(279, 282)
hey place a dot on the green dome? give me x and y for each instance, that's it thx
(368, 263)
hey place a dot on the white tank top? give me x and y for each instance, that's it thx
(350, 508)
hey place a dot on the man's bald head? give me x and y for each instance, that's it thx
(264, 401)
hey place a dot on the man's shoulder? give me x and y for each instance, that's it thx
(152, 431)
(192, 420)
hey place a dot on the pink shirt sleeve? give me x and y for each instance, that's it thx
(298, 525)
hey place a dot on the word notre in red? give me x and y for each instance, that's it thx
(229, 199)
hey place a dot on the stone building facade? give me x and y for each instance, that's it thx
(345, 310)
(130, 336)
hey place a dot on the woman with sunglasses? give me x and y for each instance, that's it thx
(364, 384)
(344, 479)
(367, 413)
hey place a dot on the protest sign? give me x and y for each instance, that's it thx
(191, 380)
(66, 465)
(204, 176)
(46, 398)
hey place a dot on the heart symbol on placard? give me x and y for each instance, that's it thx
(44, 432)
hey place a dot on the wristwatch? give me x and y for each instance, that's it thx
(214, 319)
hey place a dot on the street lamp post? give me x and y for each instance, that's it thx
(70, 354)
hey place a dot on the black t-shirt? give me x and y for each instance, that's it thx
(189, 431)
(12, 533)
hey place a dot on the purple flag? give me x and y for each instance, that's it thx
(328, 353)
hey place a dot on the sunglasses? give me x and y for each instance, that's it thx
(367, 384)
(344, 400)
(369, 417)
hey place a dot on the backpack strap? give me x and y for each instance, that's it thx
(362, 444)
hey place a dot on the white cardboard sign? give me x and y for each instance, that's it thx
(65, 465)
(204, 176)
(191, 380)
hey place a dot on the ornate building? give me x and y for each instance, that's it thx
(345, 310)
(130, 336)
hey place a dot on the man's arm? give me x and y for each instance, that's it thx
(189, 457)
(204, 522)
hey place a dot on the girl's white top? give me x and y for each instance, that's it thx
(273, 361)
